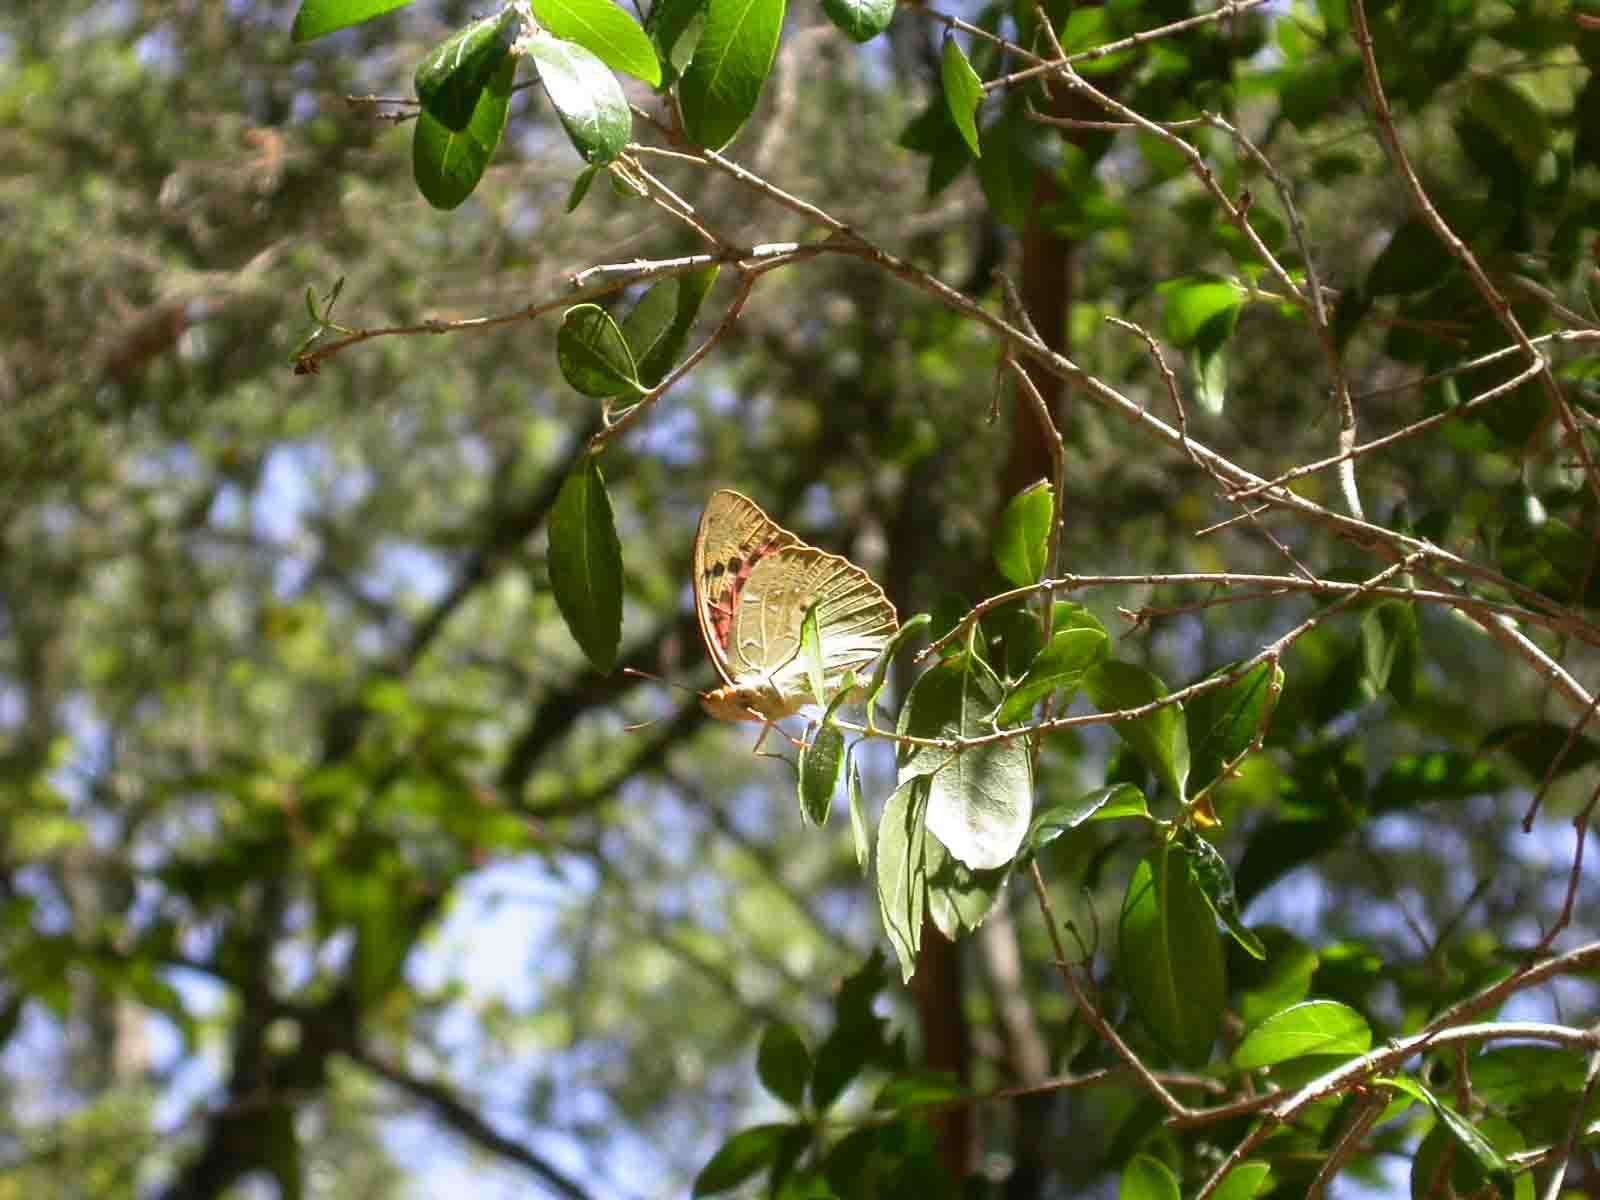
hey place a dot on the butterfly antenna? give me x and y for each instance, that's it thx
(638, 674)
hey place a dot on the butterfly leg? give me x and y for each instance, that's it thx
(766, 728)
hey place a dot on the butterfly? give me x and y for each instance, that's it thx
(754, 582)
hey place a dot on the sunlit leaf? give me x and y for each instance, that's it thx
(860, 20)
(448, 165)
(963, 91)
(319, 17)
(1060, 666)
(586, 97)
(720, 89)
(1483, 1152)
(859, 835)
(453, 75)
(1317, 1027)
(1244, 1182)
(1100, 804)
(608, 32)
(979, 799)
(1390, 643)
(1023, 534)
(1147, 1178)
(902, 878)
(920, 1090)
(811, 654)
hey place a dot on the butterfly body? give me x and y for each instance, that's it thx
(754, 583)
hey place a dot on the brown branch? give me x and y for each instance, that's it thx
(461, 1117)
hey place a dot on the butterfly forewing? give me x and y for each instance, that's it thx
(734, 535)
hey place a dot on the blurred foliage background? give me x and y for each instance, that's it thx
(327, 866)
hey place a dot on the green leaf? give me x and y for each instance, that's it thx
(1510, 1076)
(1024, 534)
(586, 97)
(934, 134)
(592, 353)
(586, 564)
(1014, 636)
(1223, 722)
(1209, 366)
(317, 18)
(860, 20)
(1283, 978)
(948, 612)
(1169, 956)
(742, 1156)
(880, 673)
(606, 31)
(1489, 1160)
(1006, 169)
(1391, 647)
(1201, 310)
(959, 898)
(979, 799)
(1315, 1027)
(448, 165)
(657, 329)
(920, 1089)
(1513, 116)
(820, 763)
(963, 91)
(859, 833)
(674, 27)
(1147, 1178)
(452, 77)
(1245, 1181)
(811, 654)
(1211, 872)
(783, 1063)
(1060, 665)
(1101, 804)
(1462, 1174)
(1161, 738)
(580, 187)
(720, 89)
(902, 880)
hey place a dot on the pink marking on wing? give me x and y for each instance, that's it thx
(722, 614)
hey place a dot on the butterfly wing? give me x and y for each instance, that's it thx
(734, 536)
(854, 620)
